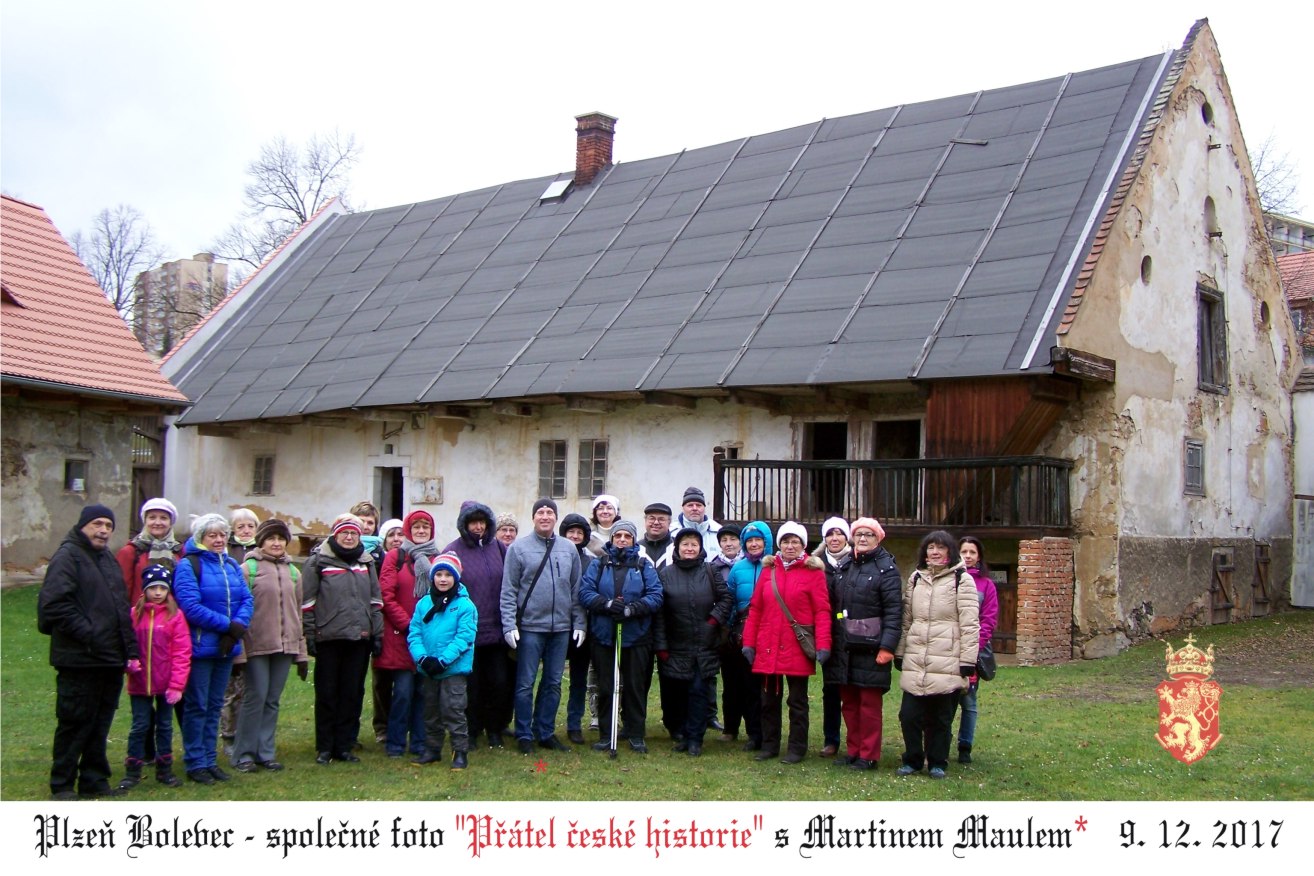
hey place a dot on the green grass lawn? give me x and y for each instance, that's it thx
(1081, 731)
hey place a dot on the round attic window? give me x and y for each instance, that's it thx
(1147, 264)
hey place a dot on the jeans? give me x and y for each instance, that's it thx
(203, 700)
(257, 716)
(405, 712)
(151, 720)
(536, 716)
(967, 724)
(580, 660)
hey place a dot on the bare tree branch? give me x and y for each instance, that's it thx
(1275, 178)
(120, 245)
(288, 184)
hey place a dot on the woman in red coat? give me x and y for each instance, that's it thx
(770, 645)
(397, 584)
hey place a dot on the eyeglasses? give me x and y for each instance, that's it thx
(864, 535)
(625, 536)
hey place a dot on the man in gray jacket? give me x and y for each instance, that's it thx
(540, 612)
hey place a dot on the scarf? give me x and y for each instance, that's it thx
(420, 554)
(688, 564)
(156, 549)
(351, 555)
(441, 599)
(834, 559)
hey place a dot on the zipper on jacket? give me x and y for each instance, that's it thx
(150, 655)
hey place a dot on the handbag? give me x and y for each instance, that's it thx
(862, 633)
(805, 633)
(985, 663)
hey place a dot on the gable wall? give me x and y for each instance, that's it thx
(1136, 531)
(37, 439)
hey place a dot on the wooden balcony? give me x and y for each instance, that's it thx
(999, 497)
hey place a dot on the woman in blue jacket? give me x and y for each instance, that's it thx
(211, 591)
(622, 587)
(742, 697)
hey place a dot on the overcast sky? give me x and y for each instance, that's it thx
(161, 105)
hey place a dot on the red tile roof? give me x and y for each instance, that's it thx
(1297, 270)
(56, 325)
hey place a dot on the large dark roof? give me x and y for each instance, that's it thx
(928, 240)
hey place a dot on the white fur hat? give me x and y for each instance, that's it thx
(835, 523)
(159, 504)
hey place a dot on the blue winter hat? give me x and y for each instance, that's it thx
(446, 563)
(156, 576)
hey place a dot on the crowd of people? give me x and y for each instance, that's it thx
(470, 642)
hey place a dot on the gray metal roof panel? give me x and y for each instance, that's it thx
(755, 252)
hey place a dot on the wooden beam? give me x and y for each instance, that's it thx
(670, 400)
(387, 415)
(590, 405)
(214, 430)
(846, 398)
(267, 428)
(770, 403)
(512, 409)
(1086, 366)
(451, 412)
(328, 422)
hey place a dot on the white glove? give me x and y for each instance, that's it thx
(512, 638)
(579, 638)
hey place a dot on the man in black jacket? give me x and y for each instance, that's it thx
(83, 607)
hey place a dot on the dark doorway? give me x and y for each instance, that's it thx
(895, 495)
(147, 465)
(824, 489)
(389, 491)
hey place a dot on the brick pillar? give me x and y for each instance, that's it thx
(1045, 588)
(594, 133)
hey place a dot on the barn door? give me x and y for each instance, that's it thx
(147, 464)
(1220, 586)
(1259, 605)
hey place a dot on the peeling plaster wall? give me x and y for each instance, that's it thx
(37, 439)
(1135, 528)
(655, 452)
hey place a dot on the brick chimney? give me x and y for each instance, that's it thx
(594, 133)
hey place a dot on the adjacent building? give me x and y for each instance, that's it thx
(83, 405)
(168, 300)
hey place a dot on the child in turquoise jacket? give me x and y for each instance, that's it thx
(441, 640)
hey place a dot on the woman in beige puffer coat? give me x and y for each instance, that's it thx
(936, 655)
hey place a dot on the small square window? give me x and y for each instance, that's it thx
(262, 478)
(552, 469)
(75, 475)
(1193, 468)
(592, 467)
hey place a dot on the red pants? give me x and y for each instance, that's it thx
(861, 707)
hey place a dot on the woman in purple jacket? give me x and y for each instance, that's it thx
(490, 687)
(973, 554)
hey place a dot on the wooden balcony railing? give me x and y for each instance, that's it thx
(1002, 495)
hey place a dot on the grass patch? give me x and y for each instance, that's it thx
(1080, 731)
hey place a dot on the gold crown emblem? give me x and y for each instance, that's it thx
(1190, 660)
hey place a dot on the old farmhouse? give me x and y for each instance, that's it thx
(82, 403)
(1044, 314)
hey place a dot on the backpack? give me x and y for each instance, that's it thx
(251, 566)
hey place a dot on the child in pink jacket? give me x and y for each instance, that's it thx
(157, 686)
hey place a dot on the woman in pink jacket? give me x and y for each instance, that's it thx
(157, 685)
(771, 646)
(973, 554)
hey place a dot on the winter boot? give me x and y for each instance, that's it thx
(964, 753)
(132, 774)
(164, 771)
(458, 760)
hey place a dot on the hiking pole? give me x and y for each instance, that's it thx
(615, 694)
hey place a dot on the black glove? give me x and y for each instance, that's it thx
(431, 666)
(442, 666)
(303, 670)
(749, 654)
(898, 663)
(310, 647)
(823, 655)
(376, 646)
(967, 670)
(633, 610)
(226, 644)
(616, 607)
(236, 630)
